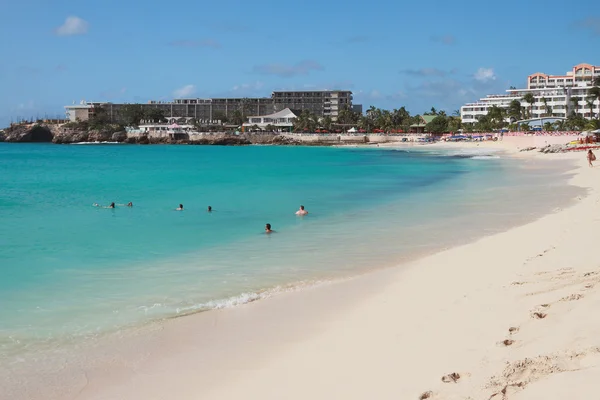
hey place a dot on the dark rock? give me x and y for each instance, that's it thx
(23, 133)
(119, 136)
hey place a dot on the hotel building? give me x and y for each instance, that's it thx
(320, 102)
(563, 94)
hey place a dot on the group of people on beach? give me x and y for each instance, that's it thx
(301, 211)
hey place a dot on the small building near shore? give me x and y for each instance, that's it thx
(283, 119)
(423, 121)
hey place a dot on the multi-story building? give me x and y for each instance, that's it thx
(318, 102)
(321, 103)
(556, 96)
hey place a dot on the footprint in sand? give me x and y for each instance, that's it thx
(513, 329)
(506, 342)
(426, 395)
(451, 378)
(572, 297)
(539, 315)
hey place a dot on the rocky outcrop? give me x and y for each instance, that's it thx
(80, 132)
(119, 136)
(23, 133)
(65, 135)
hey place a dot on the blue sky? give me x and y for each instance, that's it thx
(390, 54)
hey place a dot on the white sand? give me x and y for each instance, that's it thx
(392, 334)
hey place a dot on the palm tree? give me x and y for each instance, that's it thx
(590, 103)
(530, 98)
(560, 125)
(595, 93)
(326, 122)
(547, 108)
(515, 110)
(574, 105)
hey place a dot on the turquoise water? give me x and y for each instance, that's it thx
(68, 269)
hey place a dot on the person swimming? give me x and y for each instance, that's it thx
(301, 211)
(112, 205)
(268, 228)
(130, 204)
(180, 208)
(209, 209)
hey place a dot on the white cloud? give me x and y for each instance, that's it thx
(485, 75)
(184, 91)
(72, 26)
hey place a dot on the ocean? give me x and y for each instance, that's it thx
(70, 270)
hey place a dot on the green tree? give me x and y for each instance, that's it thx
(306, 122)
(515, 110)
(438, 125)
(574, 106)
(548, 126)
(560, 125)
(530, 99)
(220, 116)
(327, 122)
(575, 122)
(433, 111)
(484, 124)
(237, 117)
(590, 104)
(547, 108)
(595, 95)
(154, 115)
(347, 116)
(132, 114)
(496, 116)
(100, 118)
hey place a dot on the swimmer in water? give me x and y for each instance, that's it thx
(209, 209)
(180, 208)
(130, 204)
(301, 211)
(268, 228)
(112, 205)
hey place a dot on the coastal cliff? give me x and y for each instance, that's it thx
(81, 133)
(40, 133)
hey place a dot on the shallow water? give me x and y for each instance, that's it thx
(70, 270)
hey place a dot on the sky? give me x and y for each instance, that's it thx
(390, 54)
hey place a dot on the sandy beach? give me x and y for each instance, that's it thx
(510, 316)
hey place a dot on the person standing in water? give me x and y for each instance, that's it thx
(209, 209)
(180, 208)
(591, 157)
(268, 228)
(301, 211)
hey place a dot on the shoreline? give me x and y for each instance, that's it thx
(307, 327)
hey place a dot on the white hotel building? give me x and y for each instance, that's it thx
(558, 90)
